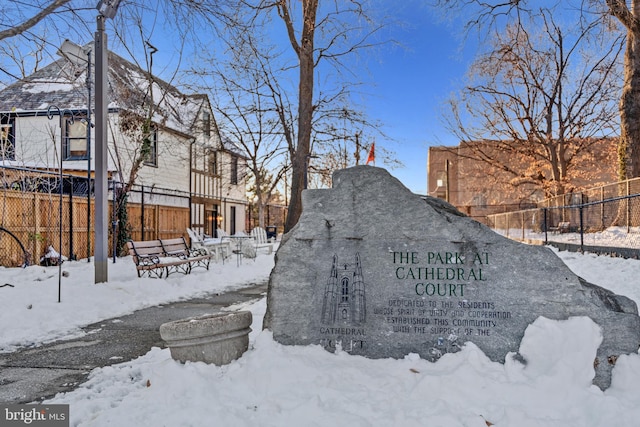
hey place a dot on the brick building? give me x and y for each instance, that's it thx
(478, 188)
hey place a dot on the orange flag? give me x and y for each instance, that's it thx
(372, 154)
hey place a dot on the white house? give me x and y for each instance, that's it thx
(44, 121)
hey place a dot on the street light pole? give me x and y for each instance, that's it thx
(101, 191)
(107, 9)
(89, 126)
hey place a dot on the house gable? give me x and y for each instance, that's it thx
(185, 126)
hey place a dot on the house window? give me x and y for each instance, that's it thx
(206, 124)
(152, 158)
(75, 139)
(212, 162)
(7, 138)
(234, 170)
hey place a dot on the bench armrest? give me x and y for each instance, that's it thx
(198, 252)
(148, 260)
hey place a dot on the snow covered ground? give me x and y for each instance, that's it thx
(611, 237)
(275, 385)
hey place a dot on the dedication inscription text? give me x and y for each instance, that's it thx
(434, 295)
(440, 306)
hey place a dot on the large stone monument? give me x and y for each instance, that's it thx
(381, 272)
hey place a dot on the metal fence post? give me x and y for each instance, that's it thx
(72, 255)
(114, 222)
(581, 229)
(602, 208)
(628, 207)
(545, 225)
(142, 211)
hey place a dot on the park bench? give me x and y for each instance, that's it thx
(563, 227)
(158, 258)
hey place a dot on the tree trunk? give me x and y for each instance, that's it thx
(629, 144)
(305, 111)
(297, 185)
(122, 217)
(261, 206)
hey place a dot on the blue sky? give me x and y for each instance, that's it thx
(413, 84)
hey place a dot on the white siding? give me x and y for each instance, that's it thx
(172, 171)
(38, 145)
(37, 141)
(173, 164)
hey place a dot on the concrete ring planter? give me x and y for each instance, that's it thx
(216, 338)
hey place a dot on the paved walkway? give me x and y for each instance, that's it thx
(35, 374)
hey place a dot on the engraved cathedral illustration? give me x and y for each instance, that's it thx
(344, 296)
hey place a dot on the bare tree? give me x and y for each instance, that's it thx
(308, 119)
(317, 32)
(258, 116)
(542, 97)
(488, 14)
(31, 32)
(304, 47)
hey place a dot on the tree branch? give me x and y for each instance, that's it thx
(14, 31)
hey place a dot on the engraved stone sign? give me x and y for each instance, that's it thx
(378, 271)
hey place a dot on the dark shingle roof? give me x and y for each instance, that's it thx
(60, 83)
(63, 84)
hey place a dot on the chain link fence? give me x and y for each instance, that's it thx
(40, 210)
(607, 216)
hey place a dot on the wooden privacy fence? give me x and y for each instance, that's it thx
(160, 222)
(31, 220)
